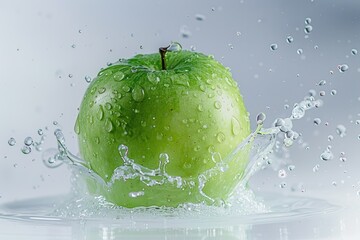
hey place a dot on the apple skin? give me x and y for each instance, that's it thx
(189, 111)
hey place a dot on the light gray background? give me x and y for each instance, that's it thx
(36, 58)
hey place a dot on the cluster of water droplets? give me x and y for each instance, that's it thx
(29, 143)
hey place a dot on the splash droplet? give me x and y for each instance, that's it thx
(88, 79)
(289, 39)
(260, 118)
(282, 173)
(40, 132)
(317, 121)
(273, 46)
(316, 168)
(101, 90)
(326, 155)
(343, 68)
(185, 32)
(308, 29)
(26, 149)
(28, 141)
(12, 141)
(153, 78)
(354, 52)
(307, 21)
(341, 130)
(200, 17)
(291, 167)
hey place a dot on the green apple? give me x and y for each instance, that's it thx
(184, 104)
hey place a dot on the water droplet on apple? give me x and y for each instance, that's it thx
(217, 104)
(91, 119)
(197, 148)
(200, 108)
(126, 88)
(138, 93)
(12, 141)
(101, 90)
(220, 137)
(93, 90)
(153, 78)
(159, 136)
(109, 126)
(118, 76)
(282, 173)
(174, 47)
(108, 106)
(211, 95)
(77, 126)
(136, 194)
(97, 140)
(202, 88)
(100, 113)
(235, 126)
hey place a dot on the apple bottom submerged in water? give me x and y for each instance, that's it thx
(179, 116)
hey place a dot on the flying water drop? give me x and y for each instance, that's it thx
(12, 141)
(289, 39)
(273, 46)
(341, 130)
(343, 68)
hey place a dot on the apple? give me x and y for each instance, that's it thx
(176, 117)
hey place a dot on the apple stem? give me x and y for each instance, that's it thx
(162, 52)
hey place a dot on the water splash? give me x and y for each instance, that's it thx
(263, 142)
